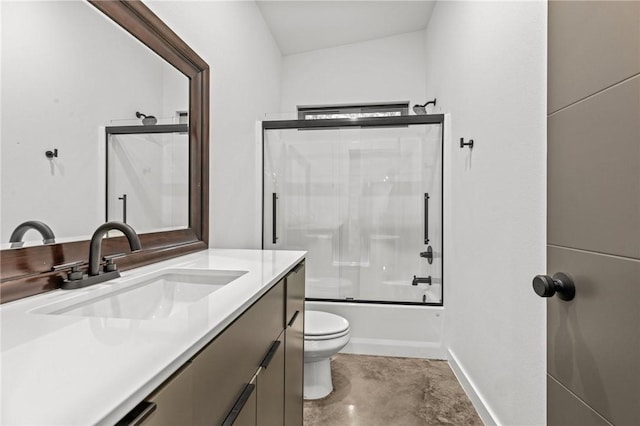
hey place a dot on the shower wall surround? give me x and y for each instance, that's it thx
(365, 202)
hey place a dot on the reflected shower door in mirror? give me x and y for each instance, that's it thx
(147, 183)
(366, 203)
(68, 72)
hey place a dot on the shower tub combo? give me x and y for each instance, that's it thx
(364, 198)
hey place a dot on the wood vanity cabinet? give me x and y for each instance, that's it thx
(244, 412)
(262, 400)
(294, 346)
(224, 368)
(250, 374)
(169, 405)
(270, 387)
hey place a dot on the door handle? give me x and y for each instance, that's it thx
(274, 212)
(124, 207)
(426, 218)
(561, 283)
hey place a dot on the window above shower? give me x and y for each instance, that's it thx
(353, 111)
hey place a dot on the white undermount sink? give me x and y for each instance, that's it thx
(149, 298)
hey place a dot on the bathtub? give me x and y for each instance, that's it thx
(390, 330)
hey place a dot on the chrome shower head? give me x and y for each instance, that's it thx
(147, 120)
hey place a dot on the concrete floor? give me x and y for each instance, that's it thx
(384, 391)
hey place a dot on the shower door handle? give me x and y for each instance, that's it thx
(124, 207)
(426, 218)
(274, 198)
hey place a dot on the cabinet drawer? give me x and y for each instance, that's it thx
(295, 293)
(223, 369)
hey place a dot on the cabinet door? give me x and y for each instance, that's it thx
(295, 282)
(294, 347)
(223, 369)
(293, 377)
(271, 386)
(244, 412)
(169, 405)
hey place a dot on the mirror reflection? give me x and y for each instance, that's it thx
(68, 74)
(147, 176)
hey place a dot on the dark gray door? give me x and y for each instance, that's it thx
(593, 352)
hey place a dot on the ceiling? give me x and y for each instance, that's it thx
(304, 25)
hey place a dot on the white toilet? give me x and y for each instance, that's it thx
(324, 335)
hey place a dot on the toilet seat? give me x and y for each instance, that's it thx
(324, 325)
(326, 336)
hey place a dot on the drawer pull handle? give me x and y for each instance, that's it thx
(139, 414)
(293, 319)
(272, 351)
(239, 405)
(297, 268)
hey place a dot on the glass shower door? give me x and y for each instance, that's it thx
(147, 180)
(365, 203)
(395, 177)
(300, 204)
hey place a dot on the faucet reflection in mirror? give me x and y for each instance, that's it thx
(110, 270)
(47, 234)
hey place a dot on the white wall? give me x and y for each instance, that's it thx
(486, 64)
(385, 69)
(232, 37)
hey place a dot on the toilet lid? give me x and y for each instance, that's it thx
(318, 323)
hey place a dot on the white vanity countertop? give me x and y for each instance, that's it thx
(68, 370)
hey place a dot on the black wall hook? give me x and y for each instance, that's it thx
(51, 154)
(463, 143)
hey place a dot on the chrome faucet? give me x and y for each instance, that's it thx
(77, 279)
(41, 227)
(96, 243)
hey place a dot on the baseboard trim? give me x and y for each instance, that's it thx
(397, 348)
(479, 403)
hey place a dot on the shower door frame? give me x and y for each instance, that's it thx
(368, 122)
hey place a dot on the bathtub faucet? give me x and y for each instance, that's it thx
(421, 280)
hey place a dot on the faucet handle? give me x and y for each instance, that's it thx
(74, 274)
(109, 265)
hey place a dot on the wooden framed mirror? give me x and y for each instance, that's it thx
(28, 270)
